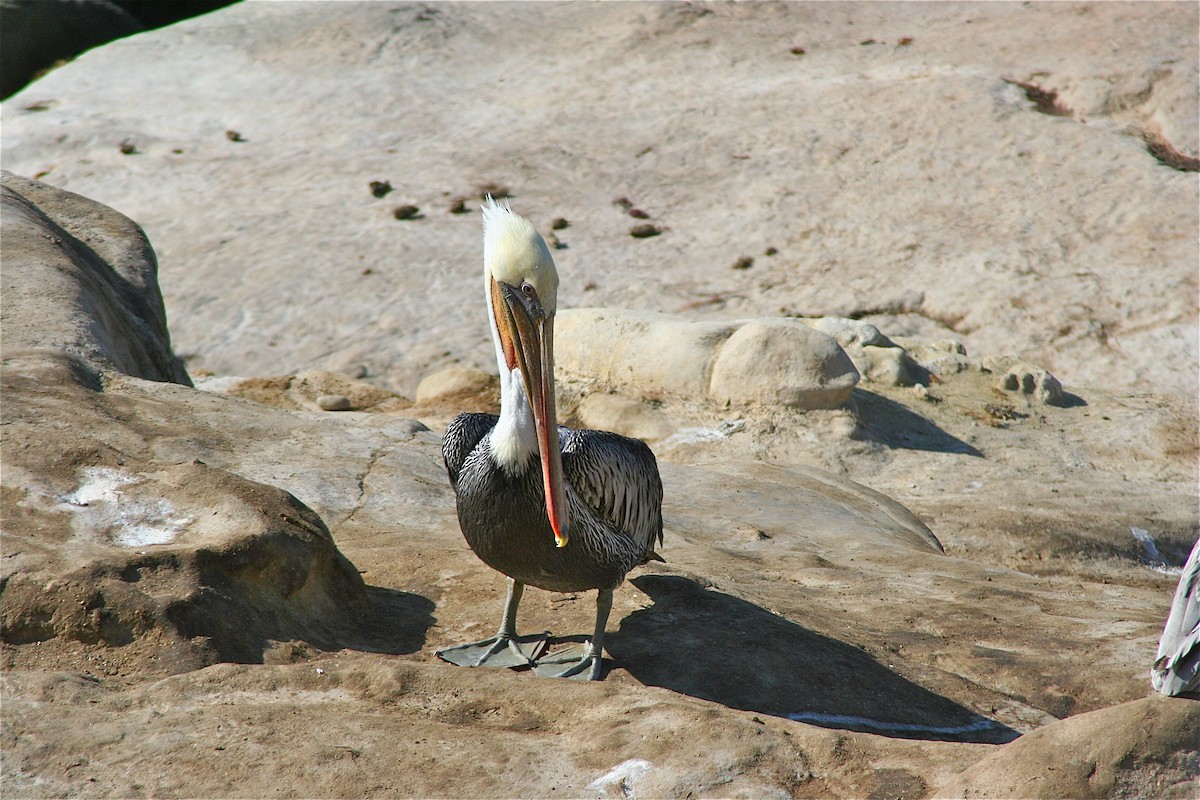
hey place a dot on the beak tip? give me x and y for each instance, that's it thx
(560, 540)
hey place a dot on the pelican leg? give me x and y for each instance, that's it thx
(506, 648)
(583, 662)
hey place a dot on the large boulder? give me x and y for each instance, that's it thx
(150, 558)
(81, 280)
(782, 362)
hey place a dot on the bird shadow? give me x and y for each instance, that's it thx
(717, 647)
(891, 424)
(393, 622)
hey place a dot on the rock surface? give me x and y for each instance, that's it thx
(808, 635)
(887, 155)
(91, 275)
(161, 564)
(141, 541)
(1130, 750)
(777, 362)
(781, 362)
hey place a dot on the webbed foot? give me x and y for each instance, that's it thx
(497, 651)
(580, 661)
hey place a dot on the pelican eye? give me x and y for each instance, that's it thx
(528, 290)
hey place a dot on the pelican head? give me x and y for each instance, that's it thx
(522, 292)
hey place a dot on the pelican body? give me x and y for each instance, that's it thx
(1176, 669)
(551, 507)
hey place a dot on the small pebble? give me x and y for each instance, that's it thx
(334, 402)
(559, 223)
(459, 206)
(745, 262)
(405, 212)
(380, 188)
(637, 213)
(644, 231)
(797, 51)
(770, 251)
(127, 147)
(234, 136)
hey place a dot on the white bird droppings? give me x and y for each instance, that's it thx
(103, 505)
(624, 776)
(1158, 563)
(697, 435)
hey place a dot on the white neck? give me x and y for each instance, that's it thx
(514, 439)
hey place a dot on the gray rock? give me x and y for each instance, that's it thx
(81, 280)
(849, 332)
(334, 402)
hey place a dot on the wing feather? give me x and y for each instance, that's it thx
(618, 478)
(462, 436)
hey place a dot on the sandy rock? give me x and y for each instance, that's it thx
(782, 362)
(772, 361)
(1042, 606)
(176, 564)
(316, 389)
(179, 567)
(646, 354)
(1144, 748)
(623, 415)
(455, 383)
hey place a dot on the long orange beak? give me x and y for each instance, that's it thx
(528, 338)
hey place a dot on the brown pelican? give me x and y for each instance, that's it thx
(551, 507)
(1176, 669)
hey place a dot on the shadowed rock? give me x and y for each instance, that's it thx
(173, 562)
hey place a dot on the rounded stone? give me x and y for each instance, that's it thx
(334, 402)
(782, 362)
